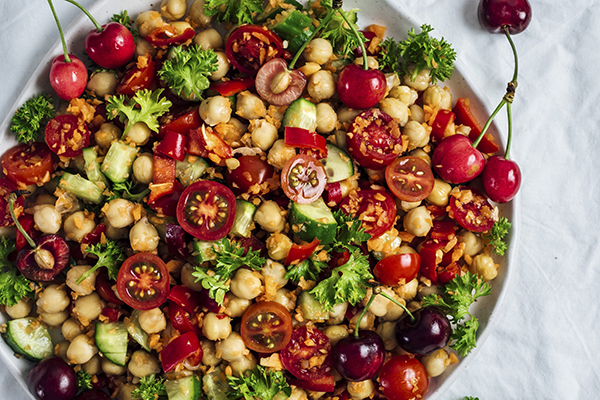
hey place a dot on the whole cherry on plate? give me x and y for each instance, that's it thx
(52, 379)
(494, 15)
(456, 160)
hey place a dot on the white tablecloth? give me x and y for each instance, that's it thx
(546, 343)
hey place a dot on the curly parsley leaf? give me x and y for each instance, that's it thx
(13, 285)
(125, 190)
(124, 20)
(235, 11)
(150, 388)
(390, 55)
(471, 398)
(110, 255)
(260, 383)
(145, 106)
(342, 37)
(349, 231)
(308, 269)
(187, 70)
(497, 234)
(31, 118)
(84, 379)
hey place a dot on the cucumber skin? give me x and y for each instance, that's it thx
(311, 309)
(339, 163)
(307, 229)
(8, 338)
(81, 188)
(244, 216)
(301, 113)
(118, 162)
(105, 345)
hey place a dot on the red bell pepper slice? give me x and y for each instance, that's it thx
(179, 349)
(442, 119)
(443, 231)
(182, 320)
(166, 36)
(301, 252)
(303, 138)
(429, 261)
(436, 211)
(464, 116)
(163, 181)
(173, 145)
(334, 193)
(182, 124)
(185, 298)
(449, 272)
(233, 86)
(204, 143)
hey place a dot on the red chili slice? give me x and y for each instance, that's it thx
(464, 116)
(185, 298)
(26, 220)
(182, 320)
(137, 77)
(182, 124)
(308, 354)
(300, 252)
(184, 347)
(163, 181)
(472, 211)
(232, 86)
(204, 143)
(443, 118)
(173, 145)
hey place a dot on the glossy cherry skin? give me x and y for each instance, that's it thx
(112, 47)
(359, 88)
(514, 14)
(52, 379)
(456, 161)
(359, 359)
(501, 179)
(429, 331)
(93, 394)
(68, 79)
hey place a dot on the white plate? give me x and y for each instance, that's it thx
(380, 12)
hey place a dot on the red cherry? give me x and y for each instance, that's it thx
(359, 88)
(112, 47)
(456, 160)
(501, 179)
(495, 14)
(68, 78)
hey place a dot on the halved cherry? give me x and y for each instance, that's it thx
(266, 327)
(472, 210)
(409, 178)
(206, 210)
(278, 85)
(143, 281)
(303, 179)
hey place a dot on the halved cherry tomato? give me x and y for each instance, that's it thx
(250, 46)
(143, 281)
(232, 86)
(397, 269)
(472, 211)
(300, 252)
(464, 116)
(206, 210)
(182, 123)
(67, 135)
(137, 77)
(266, 327)
(303, 179)
(307, 344)
(250, 176)
(178, 350)
(409, 178)
(403, 377)
(375, 208)
(185, 298)
(374, 139)
(28, 164)
(204, 143)
(442, 119)
(166, 35)
(303, 138)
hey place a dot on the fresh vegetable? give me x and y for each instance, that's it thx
(250, 41)
(13, 286)
(151, 387)
(145, 106)
(259, 383)
(28, 164)
(143, 281)
(111, 255)
(111, 340)
(237, 11)
(497, 234)
(29, 338)
(30, 119)
(67, 135)
(183, 349)
(307, 343)
(409, 178)
(403, 377)
(266, 327)
(84, 380)
(138, 76)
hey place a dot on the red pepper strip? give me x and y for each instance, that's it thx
(449, 272)
(443, 231)
(303, 138)
(173, 145)
(179, 349)
(442, 119)
(182, 124)
(26, 221)
(428, 260)
(180, 320)
(464, 116)
(185, 298)
(233, 86)
(167, 205)
(166, 36)
(111, 313)
(301, 252)
(204, 143)
(436, 211)
(163, 181)
(324, 384)
(334, 192)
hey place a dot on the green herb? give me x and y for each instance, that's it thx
(13, 285)
(308, 269)
(497, 234)
(258, 384)
(229, 257)
(459, 294)
(30, 120)
(471, 398)
(390, 55)
(124, 191)
(84, 379)
(151, 388)
(145, 106)
(349, 231)
(110, 255)
(236, 11)
(341, 36)
(187, 71)
(124, 20)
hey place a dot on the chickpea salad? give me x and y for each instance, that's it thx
(238, 199)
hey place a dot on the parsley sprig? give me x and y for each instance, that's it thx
(459, 294)
(497, 234)
(339, 33)
(124, 190)
(150, 388)
(235, 11)
(110, 255)
(13, 285)
(145, 106)
(258, 384)
(31, 118)
(124, 20)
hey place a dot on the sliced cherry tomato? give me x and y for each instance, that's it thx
(266, 327)
(204, 143)
(303, 179)
(206, 210)
(409, 178)
(250, 176)
(300, 252)
(464, 116)
(308, 354)
(143, 281)
(403, 377)
(180, 349)
(6, 188)
(397, 269)
(232, 86)
(182, 123)
(28, 164)
(375, 208)
(303, 138)
(139, 76)
(472, 210)
(166, 35)
(442, 119)
(173, 145)
(67, 135)
(374, 139)
(250, 46)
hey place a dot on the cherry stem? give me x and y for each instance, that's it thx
(364, 311)
(62, 36)
(377, 290)
(509, 114)
(393, 300)
(362, 44)
(86, 12)
(11, 207)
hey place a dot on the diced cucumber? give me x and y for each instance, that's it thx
(111, 340)
(314, 220)
(214, 384)
(203, 250)
(338, 164)
(190, 169)
(244, 216)
(92, 167)
(134, 329)
(301, 113)
(310, 308)
(28, 337)
(118, 162)
(81, 188)
(187, 388)
(292, 26)
(296, 42)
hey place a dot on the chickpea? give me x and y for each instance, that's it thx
(143, 364)
(242, 364)
(268, 216)
(367, 322)
(110, 368)
(360, 390)
(53, 299)
(247, 284)
(147, 21)
(380, 305)
(47, 219)
(484, 265)
(286, 299)
(405, 94)
(125, 392)
(392, 81)
(417, 134)
(139, 133)
(236, 306)
(60, 350)
(417, 113)
(173, 9)
(318, 50)
(152, 321)
(180, 26)
(223, 66)
(143, 48)
(250, 106)
(87, 286)
(326, 118)
(102, 83)
(418, 221)
(209, 353)
(421, 154)
(54, 319)
(435, 363)
(78, 225)
(335, 333)
(408, 205)
(93, 367)
(440, 194)
(107, 134)
(280, 153)
(232, 348)
(264, 134)
(278, 246)
(209, 39)
(347, 115)
(321, 85)
(119, 213)
(71, 328)
(143, 236)
(275, 272)
(215, 110)
(216, 327)
(421, 82)
(337, 314)
(21, 309)
(88, 308)
(408, 291)
(115, 233)
(473, 243)
(394, 311)
(188, 280)
(143, 168)
(371, 62)
(197, 15)
(396, 109)
(436, 97)
(387, 332)
(81, 349)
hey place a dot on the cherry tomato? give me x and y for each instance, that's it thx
(206, 210)
(375, 208)
(374, 139)
(251, 174)
(137, 77)
(397, 269)
(403, 377)
(67, 135)
(409, 178)
(250, 46)
(472, 210)
(28, 164)
(303, 179)
(143, 281)
(266, 327)
(308, 354)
